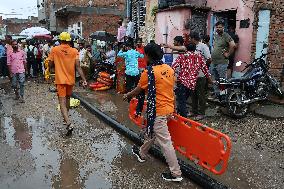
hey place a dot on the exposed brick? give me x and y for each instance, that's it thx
(276, 35)
(91, 22)
(16, 25)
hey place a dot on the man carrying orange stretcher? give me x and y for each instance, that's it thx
(158, 81)
(205, 146)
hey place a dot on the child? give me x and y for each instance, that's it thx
(131, 62)
(158, 81)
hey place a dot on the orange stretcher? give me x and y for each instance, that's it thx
(201, 144)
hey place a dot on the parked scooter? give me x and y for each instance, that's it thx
(255, 85)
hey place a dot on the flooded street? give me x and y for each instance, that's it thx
(36, 154)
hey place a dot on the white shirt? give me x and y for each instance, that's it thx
(31, 47)
(203, 49)
(45, 51)
(82, 54)
(110, 57)
(130, 29)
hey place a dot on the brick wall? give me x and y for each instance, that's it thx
(100, 3)
(92, 23)
(276, 34)
(15, 26)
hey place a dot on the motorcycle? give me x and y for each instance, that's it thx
(255, 85)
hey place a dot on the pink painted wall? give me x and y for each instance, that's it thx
(244, 11)
(173, 20)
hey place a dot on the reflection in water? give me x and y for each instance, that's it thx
(17, 133)
(59, 162)
(69, 174)
(22, 135)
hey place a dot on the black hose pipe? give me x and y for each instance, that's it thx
(188, 171)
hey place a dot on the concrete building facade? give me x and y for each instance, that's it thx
(81, 16)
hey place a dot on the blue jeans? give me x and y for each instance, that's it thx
(218, 71)
(18, 78)
(182, 94)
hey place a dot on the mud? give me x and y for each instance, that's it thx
(36, 154)
(256, 159)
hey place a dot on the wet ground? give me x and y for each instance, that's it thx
(256, 159)
(35, 154)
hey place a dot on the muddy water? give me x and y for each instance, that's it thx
(35, 153)
(249, 166)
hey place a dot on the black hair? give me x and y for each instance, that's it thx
(110, 45)
(154, 53)
(9, 37)
(220, 23)
(191, 47)
(179, 39)
(206, 38)
(195, 36)
(129, 44)
(139, 40)
(152, 41)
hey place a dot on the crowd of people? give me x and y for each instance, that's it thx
(196, 65)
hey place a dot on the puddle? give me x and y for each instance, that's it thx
(59, 168)
(35, 153)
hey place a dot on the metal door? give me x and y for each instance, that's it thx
(262, 31)
(199, 22)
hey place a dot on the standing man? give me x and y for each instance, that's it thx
(121, 33)
(199, 94)
(132, 73)
(65, 58)
(9, 49)
(178, 46)
(130, 29)
(223, 47)
(31, 51)
(46, 49)
(16, 61)
(141, 61)
(3, 60)
(235, 37)
(188, 66)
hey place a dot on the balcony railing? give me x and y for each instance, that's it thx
(163, 4)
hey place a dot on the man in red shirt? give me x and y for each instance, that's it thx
(188, 66)
(141, 61)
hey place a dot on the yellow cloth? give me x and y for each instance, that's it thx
(73, 103)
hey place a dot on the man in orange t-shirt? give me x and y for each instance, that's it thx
(65, 59)
(164, 103)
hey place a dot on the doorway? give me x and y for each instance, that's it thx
(229, 19)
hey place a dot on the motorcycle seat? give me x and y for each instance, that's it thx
(238, 80)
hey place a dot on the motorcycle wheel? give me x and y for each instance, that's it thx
(276, 87)
(235, 107)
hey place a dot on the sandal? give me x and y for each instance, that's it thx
(70, 129)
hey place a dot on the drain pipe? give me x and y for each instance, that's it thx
(188, 171)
